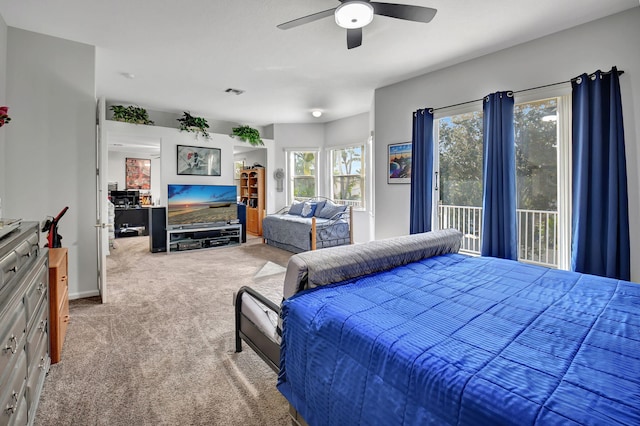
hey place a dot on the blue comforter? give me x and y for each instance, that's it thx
(466, 341)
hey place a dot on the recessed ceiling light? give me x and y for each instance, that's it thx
(316, 113)
(128, 75)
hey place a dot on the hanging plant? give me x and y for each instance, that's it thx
(247, 134)
(130, 114)
(189, 123)
(4, 115)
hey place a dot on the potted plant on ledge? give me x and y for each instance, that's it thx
(130, 114)
(247, 134)
(189, 123)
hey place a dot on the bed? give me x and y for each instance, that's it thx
(309, 225)
(369, 338)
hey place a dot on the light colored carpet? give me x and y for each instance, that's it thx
(161, 351)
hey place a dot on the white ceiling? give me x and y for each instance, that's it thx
(184, 54)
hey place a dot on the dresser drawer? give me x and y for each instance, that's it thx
(37, 291)
(12, 393)
(38, 332)
(58, 279)
(12, 336)
(8, 268)
(28, 249)
(63, 321)
(37, 369)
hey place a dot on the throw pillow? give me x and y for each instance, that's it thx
(330, 209)
(319, 206)
(296, 208)
(309, 209)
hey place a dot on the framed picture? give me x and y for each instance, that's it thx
(399, 155)
(138, 173)
(196, 160)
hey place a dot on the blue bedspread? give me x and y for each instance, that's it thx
(466, 341)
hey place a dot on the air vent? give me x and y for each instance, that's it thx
(234, 91)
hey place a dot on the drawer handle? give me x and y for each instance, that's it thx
(66, 318)
(41, 287)
(12, 408)
(14, 269)
(27, 254)
(43, 326)
(13, 345)
(43, 363)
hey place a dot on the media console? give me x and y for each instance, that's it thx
(200, 238)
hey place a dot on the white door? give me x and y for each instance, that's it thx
(102, 229)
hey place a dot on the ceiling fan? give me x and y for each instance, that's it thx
(355, 14)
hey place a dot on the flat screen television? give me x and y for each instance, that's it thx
(192, 206)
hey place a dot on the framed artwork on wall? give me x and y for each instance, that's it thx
(138, 173)
(197, 160)
(399, 155)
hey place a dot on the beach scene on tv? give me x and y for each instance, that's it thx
(200, 204)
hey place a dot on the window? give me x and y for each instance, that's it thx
(347, 175)
(543, 181)
(302, 175)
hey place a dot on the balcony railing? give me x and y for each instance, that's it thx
(537, 232)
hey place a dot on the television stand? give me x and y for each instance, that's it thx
(189, 238)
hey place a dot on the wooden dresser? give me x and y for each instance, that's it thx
(58, 300)
(24, 312)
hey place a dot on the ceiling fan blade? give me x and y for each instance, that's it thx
(307, 19)
(354, 37)
(404, 11)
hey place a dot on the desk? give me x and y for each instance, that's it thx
(131, 218)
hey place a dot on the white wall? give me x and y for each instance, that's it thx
(49, 160)
(559, 57)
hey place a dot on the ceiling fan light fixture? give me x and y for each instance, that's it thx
(354, 14)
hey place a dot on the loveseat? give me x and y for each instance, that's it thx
(309, 225)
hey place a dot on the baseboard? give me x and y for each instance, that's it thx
(84, 294)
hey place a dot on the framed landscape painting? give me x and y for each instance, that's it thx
(197, 160)
(138, 173)
(399, 155)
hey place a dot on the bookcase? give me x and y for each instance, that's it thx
(252, 193)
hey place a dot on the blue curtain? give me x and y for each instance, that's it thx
(499, 227)
(600, 235)
(421, 171)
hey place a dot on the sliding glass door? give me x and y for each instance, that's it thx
(543, 180)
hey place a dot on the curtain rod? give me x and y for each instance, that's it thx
(620, 72)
